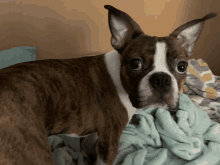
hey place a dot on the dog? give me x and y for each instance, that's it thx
(92, 94)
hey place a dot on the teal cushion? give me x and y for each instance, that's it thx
(17, 55)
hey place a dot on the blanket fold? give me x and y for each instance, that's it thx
(203, 88)
(193, 139)
(68, 150)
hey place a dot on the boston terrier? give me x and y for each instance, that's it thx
(92, 94)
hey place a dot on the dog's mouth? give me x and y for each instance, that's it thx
(157, 101)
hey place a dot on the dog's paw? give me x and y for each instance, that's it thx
(99, 161)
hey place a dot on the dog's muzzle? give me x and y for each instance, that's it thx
(160, 82)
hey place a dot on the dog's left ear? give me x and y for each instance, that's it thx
(123, 28)
(188, 33)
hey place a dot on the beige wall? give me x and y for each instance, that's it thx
(73, 28)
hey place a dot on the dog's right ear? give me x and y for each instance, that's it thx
(123, 28)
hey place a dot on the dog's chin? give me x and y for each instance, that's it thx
(144, 105)
(160, 103)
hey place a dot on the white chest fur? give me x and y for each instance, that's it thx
(112, 60)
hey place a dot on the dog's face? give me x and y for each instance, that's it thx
(153, 69)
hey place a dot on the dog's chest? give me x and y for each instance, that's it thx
(112, 60)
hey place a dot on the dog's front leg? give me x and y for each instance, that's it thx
(107, 149)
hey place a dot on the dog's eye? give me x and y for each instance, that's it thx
(182, 66)
(135, 64)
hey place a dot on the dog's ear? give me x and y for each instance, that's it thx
(123, 28)
(188, 33)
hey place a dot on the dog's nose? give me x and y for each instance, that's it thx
(160, 81)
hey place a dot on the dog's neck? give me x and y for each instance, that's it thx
(112, 60)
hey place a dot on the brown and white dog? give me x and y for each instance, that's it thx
(92, 94)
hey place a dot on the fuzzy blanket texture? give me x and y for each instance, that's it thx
(193, 140)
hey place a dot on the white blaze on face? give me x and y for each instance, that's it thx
(160, 65)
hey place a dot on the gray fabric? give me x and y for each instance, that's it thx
(73, 150)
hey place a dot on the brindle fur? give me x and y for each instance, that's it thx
(42, 98)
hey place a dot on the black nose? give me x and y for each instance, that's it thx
(160, 81)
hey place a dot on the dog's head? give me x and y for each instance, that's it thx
(153, 69)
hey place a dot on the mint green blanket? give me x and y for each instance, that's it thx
(193, 140)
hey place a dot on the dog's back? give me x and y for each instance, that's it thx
(42, 98)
